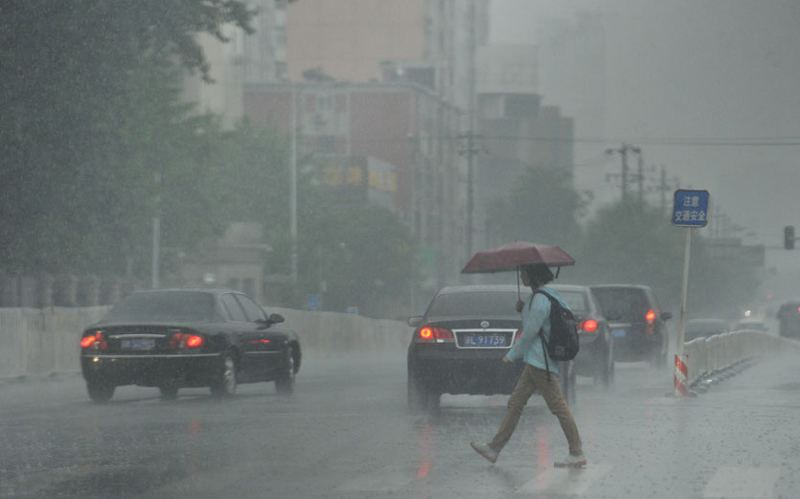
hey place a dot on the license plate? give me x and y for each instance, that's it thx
(485, 340)
(138, 344)
(619, 333)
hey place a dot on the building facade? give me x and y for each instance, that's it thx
(517, 131)
(406, 135)
(246, 58)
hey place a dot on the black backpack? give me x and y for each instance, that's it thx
(564, 343)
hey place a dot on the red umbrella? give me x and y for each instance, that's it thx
(515, 255)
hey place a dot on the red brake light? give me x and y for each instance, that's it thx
(96, 340)
(194, 341)
(186, 340)
(426, 333)
(589, 325)
(437, 334)
(650, 316)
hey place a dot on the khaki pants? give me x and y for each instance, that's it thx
(533, 380)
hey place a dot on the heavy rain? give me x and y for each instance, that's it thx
(399, 248)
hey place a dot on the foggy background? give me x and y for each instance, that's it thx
(716, 70)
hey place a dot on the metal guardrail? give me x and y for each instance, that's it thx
(706, 357)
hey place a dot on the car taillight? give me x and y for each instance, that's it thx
(434, 334)
(650, 316)
(95, 340)
(186, 340)
(589, 325)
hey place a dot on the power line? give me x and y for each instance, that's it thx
(653, 141)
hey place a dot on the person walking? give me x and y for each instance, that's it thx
(539, 375)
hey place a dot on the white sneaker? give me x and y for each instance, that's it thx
(571, 461)
(484, 450)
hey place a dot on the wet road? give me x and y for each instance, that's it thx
(345, 433)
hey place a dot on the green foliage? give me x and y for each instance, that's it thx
(542, 207)
(629, 243)
(89, 91)
(363, 253)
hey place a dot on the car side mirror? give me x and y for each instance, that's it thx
(415, 321)
(665, 316)
(272, 319)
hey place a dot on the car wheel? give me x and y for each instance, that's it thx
(285, 384)
(225, 385)
(604, 370)
(100, 392)
(169, 391)
(568, 379)
(433, 401)
(417, 395)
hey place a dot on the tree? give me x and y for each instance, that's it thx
(631, 243)
(542, 207)
(363, 253)
(90, 97)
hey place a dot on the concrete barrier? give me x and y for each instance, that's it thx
(706, 357)
(42, 341)
(45, 341)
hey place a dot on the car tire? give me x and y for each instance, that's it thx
(284, 385)
(433, 401)
(604, 370)
(417, 395)
(568, 380)
(169, 391)
(226, 383)
(99, 392)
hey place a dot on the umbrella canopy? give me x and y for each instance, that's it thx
(515, 255)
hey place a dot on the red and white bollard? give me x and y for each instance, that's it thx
(681, 377)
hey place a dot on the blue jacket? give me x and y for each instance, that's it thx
(536, 316)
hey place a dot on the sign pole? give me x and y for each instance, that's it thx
(690, 210)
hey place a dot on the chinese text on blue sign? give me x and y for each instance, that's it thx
(690, 208)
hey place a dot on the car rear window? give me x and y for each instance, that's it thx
(475, 303)
(575, 300)
(623, 304)
(180, 306)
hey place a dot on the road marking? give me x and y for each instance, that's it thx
(730, 482)
(566, 481)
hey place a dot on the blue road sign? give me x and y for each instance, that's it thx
(690, 208)
(314, 302)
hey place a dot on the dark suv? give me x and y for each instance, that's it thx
(596, 356)
(636, 321)
(457, 346)
(789, 320)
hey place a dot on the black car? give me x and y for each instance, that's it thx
(637, 324)
(176, 338)
(789, 320)
(457, 346)
(596, 355)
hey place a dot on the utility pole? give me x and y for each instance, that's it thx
(640, 177)
(293, 190)
(470, 150)
(156, 259)
(663, 188)
(623, 151)
(470, 135)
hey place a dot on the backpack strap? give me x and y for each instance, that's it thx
(541, 336)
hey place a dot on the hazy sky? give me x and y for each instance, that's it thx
(695, 68)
